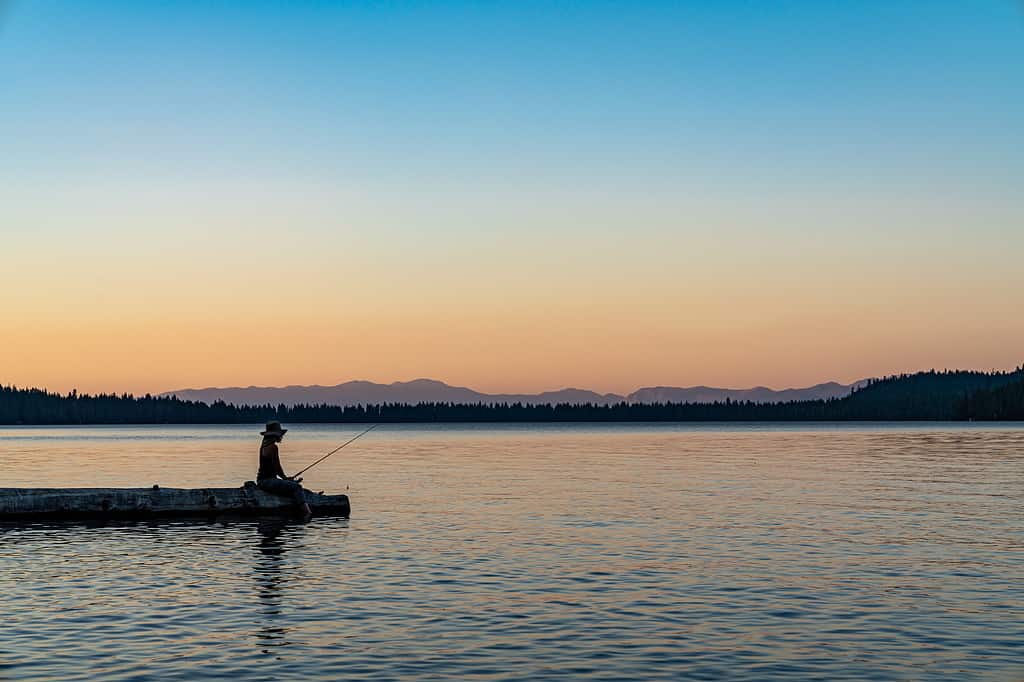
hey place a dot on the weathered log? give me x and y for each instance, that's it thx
(27, 503)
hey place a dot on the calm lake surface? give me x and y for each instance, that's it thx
(533, 552)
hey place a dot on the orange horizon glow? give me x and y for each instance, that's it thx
(526, 355)
(703, 302)
(524, 311)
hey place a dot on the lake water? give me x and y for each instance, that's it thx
(632, 552)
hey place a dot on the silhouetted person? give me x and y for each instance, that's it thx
(271, 476)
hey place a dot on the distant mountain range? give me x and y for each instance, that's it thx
(428, 390)
(931, 395)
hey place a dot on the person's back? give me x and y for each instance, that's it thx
(270, 460)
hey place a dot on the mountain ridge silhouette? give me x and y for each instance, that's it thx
(362, 392)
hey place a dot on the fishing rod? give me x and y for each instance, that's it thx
(355, 438)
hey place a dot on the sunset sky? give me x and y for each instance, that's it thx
(513, 196)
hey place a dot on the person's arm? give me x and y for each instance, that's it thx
(278, 471)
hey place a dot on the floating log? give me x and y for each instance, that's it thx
(75, 503)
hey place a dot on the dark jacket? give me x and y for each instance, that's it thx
(270, 462)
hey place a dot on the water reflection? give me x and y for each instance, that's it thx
(632, 553)
(275, 538)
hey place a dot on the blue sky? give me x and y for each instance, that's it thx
(868, 90)
(861, 161)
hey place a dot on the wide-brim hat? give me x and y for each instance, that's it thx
(274, 429)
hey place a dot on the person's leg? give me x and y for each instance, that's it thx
(275, 486)
(290, 489)
(300, 498)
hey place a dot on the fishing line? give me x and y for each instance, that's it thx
(355, 438)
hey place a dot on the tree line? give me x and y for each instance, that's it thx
(932, 395)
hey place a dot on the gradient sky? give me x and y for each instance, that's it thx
(513, 196)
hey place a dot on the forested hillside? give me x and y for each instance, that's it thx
(947, 395)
